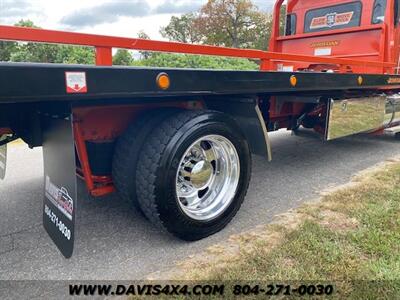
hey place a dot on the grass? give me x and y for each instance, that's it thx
(350, 238)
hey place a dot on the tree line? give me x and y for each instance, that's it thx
(228, 23)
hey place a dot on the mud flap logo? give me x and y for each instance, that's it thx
(59, 224)
(58, 216)
(60, 198)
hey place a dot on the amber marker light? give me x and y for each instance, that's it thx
(360, 80)
(293, 80)
(163, 81)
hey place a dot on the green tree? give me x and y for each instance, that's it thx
(169, 60)
(75, 55)
(49, 53)
(26, 23)
(144, 36)
(6, 49)
(122, 58)
(182, 29)
(234, 23)
(282, 20)
(33, 52)
(9, 49)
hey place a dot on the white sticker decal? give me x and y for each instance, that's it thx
(60, 198)
(287, 68)
(282, 68)
(76, 82)
(322, 51)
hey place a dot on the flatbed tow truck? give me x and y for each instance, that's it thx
(177, 143)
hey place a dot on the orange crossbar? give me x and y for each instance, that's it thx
(104, 44)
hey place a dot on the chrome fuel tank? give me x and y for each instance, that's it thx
(356, 115)
(392, 110)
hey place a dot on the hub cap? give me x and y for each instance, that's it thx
(207, 177)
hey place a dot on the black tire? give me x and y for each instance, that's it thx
(127, 151)
(158, 165)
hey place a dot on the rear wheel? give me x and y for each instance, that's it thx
(126, 153)
(193, 173)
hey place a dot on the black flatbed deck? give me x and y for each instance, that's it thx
(29, 82)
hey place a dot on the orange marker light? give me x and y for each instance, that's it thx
(360, 80)
(163, 81)
(293, 80)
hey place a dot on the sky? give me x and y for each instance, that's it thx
(118, 18)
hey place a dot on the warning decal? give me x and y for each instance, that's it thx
(76, 82)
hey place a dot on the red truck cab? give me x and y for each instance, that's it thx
(360, 30)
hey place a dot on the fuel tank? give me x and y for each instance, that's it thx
(392, 111)
(346, 117)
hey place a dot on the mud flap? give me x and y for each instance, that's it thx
(59, 205)
(3, 160)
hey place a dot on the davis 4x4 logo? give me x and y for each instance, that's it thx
(331, 20)
(60, 198)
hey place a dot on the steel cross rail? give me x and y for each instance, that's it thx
(104, 45)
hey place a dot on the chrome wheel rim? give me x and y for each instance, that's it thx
(207, 177)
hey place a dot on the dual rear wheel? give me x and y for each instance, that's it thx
(186, 171)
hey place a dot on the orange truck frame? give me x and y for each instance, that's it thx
(177, 143)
